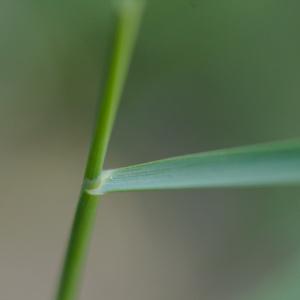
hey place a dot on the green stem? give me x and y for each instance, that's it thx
(77, 249)
(127, 24)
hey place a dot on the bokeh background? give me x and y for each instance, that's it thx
(205, 75)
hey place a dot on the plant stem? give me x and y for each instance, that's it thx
(127, 24)
(77, 248)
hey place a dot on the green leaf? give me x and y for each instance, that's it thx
(257, 165)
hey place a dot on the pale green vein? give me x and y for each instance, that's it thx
(275, 163)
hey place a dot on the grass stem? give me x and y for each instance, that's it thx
(127, 25)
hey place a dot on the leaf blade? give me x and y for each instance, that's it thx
(257, 165)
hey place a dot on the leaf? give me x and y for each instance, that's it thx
(257, 165)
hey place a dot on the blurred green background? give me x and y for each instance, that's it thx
(206, 74)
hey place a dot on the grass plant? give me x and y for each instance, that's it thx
(257, 165)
